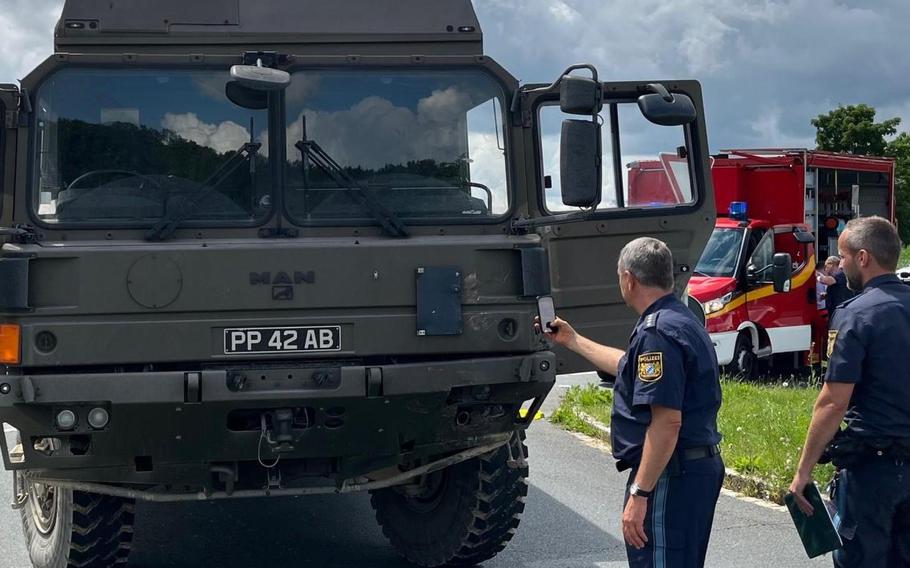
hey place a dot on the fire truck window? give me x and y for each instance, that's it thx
(654, 171)
(763, 259)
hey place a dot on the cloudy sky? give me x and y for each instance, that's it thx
(767, 66)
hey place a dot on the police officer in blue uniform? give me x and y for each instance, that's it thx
(664, 419)
(867, 386)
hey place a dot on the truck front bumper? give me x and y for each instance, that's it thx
(724, 345)
(175, 427)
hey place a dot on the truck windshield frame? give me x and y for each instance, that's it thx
(722, 240)
(432, 144)
(118, 147)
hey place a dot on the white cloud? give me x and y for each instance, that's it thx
(222, 137)
(26, 35)
(563, 12)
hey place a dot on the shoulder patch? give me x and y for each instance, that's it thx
(832, 337)
(651, 321)
(651, 366)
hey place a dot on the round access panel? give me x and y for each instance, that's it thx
(154, 281)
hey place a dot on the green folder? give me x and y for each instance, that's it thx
(817, 532)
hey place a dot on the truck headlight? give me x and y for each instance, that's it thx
(717, 304)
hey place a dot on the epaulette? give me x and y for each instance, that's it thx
(650, 321)
(848, 301)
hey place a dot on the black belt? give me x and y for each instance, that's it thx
(688, 454)
(699, 452)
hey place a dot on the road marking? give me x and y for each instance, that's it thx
(753, 500)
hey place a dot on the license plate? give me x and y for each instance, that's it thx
(255, 340)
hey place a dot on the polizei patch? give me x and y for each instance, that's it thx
(832, 337)
(651, 366)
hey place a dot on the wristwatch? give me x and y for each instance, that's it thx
(634, 489)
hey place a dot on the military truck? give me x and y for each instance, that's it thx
(287, 247)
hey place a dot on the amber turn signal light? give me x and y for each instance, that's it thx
(10, 335)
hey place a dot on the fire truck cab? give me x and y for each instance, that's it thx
(780, 212)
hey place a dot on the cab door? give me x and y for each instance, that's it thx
(9, 121)
(584, 244)
(786, 317)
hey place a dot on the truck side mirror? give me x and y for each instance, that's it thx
(580, 95)
(580, 163)
(781, 272)
(671, 110)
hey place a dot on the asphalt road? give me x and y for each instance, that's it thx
(571, 521)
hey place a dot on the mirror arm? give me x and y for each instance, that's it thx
(556, 83)
(660, 90)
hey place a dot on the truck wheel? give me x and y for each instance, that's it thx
(744, 364)
(462, 515)
(70, 529)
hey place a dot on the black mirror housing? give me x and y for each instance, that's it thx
(245, 97)
(580, 163)
(678, 111)
(781, 272)
(580, 95)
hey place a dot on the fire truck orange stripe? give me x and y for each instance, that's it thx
(798, 280)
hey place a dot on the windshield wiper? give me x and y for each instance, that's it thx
(698, 273)
(180, 207)
(364, 195)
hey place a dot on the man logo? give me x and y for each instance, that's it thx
(282, 283)
(266, 278)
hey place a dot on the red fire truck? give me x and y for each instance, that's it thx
(780, 212)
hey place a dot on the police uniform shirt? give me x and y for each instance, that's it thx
(869, 346)
(670, 362)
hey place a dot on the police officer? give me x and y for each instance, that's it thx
(835, 281)
(664, 418)
(867, 385)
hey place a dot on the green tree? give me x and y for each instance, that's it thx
(852, 129)
(899, 149)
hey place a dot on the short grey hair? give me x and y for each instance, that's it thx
(649, 260)
(878, 237)
(832, 260)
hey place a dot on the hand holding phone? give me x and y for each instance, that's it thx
(547, 313)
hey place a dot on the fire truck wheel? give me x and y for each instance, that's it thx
(462, 515)
(745, 363)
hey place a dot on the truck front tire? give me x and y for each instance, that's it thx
(462, 515)
(73, 529)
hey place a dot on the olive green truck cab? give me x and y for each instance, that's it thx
(290, 247)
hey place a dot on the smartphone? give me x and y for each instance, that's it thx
(547, 313)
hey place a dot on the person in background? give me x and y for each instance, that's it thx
(835, 282)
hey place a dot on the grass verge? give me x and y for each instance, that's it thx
(905, 258)
(764, 427)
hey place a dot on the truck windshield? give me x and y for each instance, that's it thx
(721, 255)
(131, 146)
(426, 144)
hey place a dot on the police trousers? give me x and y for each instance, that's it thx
(680, 515)
(873, 514)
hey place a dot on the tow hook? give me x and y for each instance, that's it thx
(280, 436)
